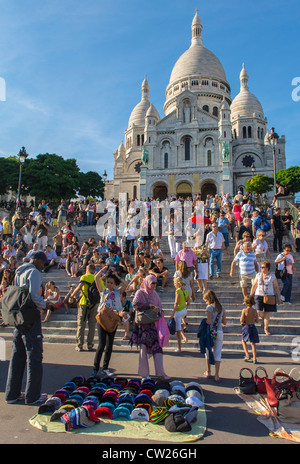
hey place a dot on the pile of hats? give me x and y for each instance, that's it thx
(82, 402)
(177, 405)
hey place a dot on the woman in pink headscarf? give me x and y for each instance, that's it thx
(145, 336)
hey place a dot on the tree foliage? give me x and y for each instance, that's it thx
(290, 177)
(9, 174)
(259, 184)
(90, 184)
(49, 176)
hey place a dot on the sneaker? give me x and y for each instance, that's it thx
(107, 372)
(282, 298)
(288, 302)
(94, 373)
(20, 398)
(40, 400)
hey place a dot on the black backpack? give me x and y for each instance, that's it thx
(17, 307)
(93, 295)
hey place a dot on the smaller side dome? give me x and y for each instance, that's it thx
(152, 112)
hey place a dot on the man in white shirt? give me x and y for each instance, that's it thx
(215, 242)
(51, 258)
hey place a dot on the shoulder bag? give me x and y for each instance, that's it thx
(18, 309)
(108, 319)
(268, 299)
(282, 273)
(147, 316)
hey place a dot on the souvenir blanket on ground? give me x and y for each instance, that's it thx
(268, 417)
(166, 411)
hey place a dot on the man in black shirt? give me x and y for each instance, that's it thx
(278, 228)
(288, 222)
(245, 227)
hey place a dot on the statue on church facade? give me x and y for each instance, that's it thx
(145, 157)
(225, 151)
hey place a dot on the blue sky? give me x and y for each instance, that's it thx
(73, 70)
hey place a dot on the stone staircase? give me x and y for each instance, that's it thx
(284, 325)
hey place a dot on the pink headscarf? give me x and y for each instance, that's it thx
(146, 294)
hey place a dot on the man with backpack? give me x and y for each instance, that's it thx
(27, 347)
(87, 308)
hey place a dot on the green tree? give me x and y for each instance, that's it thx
(259, 184)
(290, 177)
(51, 177)
(9, 174)
(90, 184)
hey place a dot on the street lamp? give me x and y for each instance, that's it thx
(273, 139)
(104, 176)
(22, 158)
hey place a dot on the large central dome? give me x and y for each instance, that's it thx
(197, 60)
(197, 69)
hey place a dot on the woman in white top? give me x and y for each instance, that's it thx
(215, 318)
(52, 297)
(260, 247)
(265, 286)
(110, 296)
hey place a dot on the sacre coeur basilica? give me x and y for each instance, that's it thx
(206, 142)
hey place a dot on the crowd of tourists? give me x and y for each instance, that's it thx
(124, 259)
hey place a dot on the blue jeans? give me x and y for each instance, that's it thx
(90, 216)
(215, 254)
(27, 349)
(287, 287)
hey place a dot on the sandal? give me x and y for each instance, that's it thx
(207, 375)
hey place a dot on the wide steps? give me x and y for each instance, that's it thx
(284, 326)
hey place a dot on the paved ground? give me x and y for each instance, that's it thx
(229, 420)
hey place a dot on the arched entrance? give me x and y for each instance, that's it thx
(160, 191)
(208, 188)
(184, 189)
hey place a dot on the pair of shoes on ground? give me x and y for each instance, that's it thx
(39, 401)
(101, 372)
(248, 359)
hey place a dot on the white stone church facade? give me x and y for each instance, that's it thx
(206, 143)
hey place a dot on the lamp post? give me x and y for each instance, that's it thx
(273, 138)
(104, 177)
(22, 158)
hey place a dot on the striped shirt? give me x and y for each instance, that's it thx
(246, 262)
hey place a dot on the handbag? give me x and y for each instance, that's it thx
(288, 395)
(288, 409)
(148, 316)
(270, 387)
(247, 385)
(172, 326)
(162, 330)
(260, 381)
(108, 319)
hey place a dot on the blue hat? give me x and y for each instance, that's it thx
(121, 411)
(126, 398)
